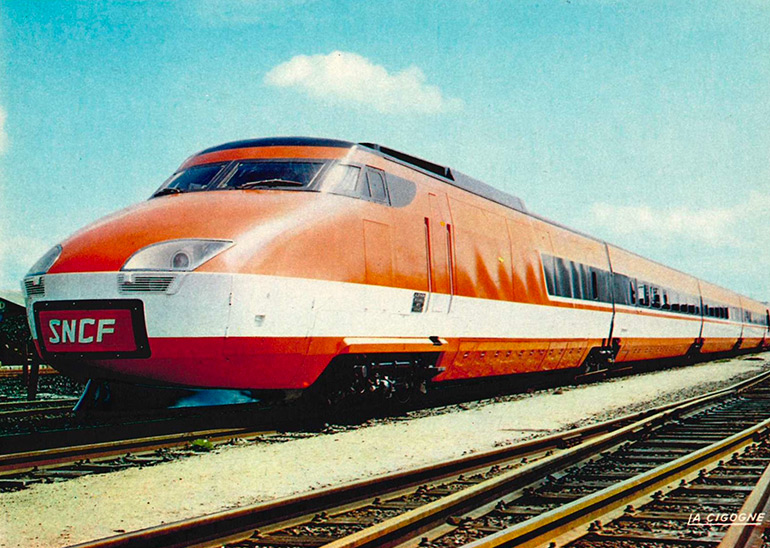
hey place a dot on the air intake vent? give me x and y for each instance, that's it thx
(152, 284)
(443, 171)
(34, 289)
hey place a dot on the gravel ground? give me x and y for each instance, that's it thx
(50, 387)
(54, 514)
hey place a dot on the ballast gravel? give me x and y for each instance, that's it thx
(91, 507)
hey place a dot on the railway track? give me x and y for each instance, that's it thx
(11, 371)
(20, 470)
(522, 495)
(23, 409)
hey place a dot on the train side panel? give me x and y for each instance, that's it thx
(653, 319)
(722, 331)
(574, 274)
(755, 324)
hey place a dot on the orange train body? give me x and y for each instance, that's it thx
(260, 263)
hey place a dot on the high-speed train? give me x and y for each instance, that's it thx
(275, 265)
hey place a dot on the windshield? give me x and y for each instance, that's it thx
(252, 174)
(191, 179)
(266, 174)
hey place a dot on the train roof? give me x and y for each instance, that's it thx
(443, 173)
(281, 142)
(452, 177)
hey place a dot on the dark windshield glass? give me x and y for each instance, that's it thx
(190, 180)
(269, 174)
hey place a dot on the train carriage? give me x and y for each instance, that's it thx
(280, 264)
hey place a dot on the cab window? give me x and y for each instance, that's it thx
(271, 174)
(191, 179)
(343, 179)
(377, 186)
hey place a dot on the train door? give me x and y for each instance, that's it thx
(438, 234)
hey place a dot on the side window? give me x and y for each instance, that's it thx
(343, 179)
(563, 278)
(362, 188)
(655, 296)
(642, 288)
(377, 186)
(620, 288)
(550, 278)
(577, 280)
(585, 277)
(594, 285)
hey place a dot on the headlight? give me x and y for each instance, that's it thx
(45, 262)
(182, 255)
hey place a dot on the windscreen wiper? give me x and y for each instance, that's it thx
(168, 190)
(267, 182)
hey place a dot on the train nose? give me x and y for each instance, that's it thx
(114, 322)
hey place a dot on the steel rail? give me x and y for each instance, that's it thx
(42, 410)
(14, 405)
(540, 529)
(16, 463)
(18, 371)
(758, 502)
(232, 524)
(405, 526)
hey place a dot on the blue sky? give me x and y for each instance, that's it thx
(644, 123)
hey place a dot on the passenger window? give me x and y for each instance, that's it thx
(563, 282)
(655, 295)
(577, 281)
(550, 278)
(643, 295)
(377, 186)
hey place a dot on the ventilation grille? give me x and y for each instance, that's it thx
(152, 284)
(34, 289)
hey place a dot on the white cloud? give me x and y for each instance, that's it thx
(350, 78)
(743, 225)
(3, 134)
(725, 245)
(712, 227)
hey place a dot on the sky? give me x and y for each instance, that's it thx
(642, 123)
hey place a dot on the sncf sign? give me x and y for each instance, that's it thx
(87, 330)
(70, 332)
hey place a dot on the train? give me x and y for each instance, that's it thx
(281, 266)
